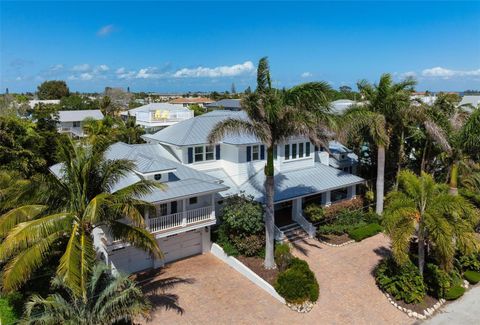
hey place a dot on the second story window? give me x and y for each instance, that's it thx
(300, 150)
(287, 151)
(294, 150)
(255, 153)
(198, 153)
(76, 124)
(307, 149)
(209, 153)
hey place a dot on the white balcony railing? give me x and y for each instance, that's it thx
(180, 219)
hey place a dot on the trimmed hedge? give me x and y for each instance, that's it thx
(365, 231)
(454, 293)
(472, 277)
(297, 283)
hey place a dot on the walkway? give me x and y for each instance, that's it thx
(210, 292)
(464, 311)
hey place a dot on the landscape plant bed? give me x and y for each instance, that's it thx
(428, 302)
(256, 265)
(334, 239)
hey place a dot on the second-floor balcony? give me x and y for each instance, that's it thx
(179, 220)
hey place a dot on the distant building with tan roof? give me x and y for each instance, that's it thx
(186, 101)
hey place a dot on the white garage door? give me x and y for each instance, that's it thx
(182, 245)
(129, 259)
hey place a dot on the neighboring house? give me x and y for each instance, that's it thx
(156, 116)
(198, 176)
(470, 101)
(187, 101)
(225, 104)
(72, 121)
(341, 105)
(34, 102)
(426, 98)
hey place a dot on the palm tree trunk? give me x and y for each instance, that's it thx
(454, 179)
(423, 164)
(380, 179)
(269, 262)
(401, 149)
(421, 249)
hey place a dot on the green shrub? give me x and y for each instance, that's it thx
(472, 276)
(7, 313)
(283, 256)
(454, 293)
(314, 212)
(363, 232)
(297, 283)
(242, 215)
(250, 245)
(402, 282)
(469, 262)
(438, 281)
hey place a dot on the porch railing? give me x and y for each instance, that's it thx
(307, 226)
(279, 235)
(180, 219)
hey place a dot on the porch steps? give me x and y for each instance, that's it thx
(294, 232)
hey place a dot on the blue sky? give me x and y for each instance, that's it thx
(154, 46)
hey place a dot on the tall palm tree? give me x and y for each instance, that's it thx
(460, 141)
(67, 211)
(109, 300)
(423, 209)
(382, 112)
(275, 116)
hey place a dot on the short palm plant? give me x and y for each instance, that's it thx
(275, 116)
(109, 300)
(422, 209)
(68, 209)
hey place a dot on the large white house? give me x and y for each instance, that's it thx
(71, 122)
(198, 176)
(156, 116)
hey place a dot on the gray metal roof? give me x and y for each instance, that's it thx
(182, 188)
(226, 104)
(291, 184)
(76, 116)
(182, 180)
(195, 131)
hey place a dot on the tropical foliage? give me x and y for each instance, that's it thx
(65, 210)
(108, 300)
(423, 210)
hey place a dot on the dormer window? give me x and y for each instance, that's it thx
(157, 177)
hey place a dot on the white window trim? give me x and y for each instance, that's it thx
(204, 154)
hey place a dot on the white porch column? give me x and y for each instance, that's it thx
(296, 208)
(212, 213)
(147, 217)
(326, 199)
(351, 191)
(184, 212)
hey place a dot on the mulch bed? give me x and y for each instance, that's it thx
(427, 302)
(256, 265)
(335, 239)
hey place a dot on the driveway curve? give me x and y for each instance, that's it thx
(210, 292)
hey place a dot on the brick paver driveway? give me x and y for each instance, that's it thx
(217, 294)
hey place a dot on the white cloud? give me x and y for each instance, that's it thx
(222, 71)
(120, 70)
(106, 30)
(81, 67)
(56, 67)
(306, 74)
(86, 76)
(439, 72)
(102, 68)
(148, 73)
(408, 74)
